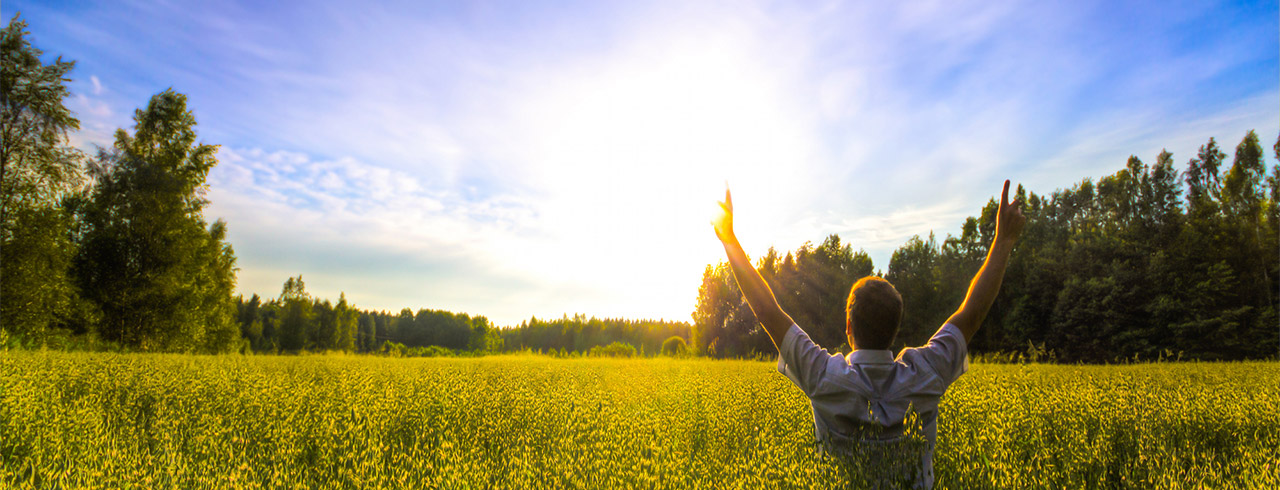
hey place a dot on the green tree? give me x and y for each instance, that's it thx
(295, 315)
(494, 342)
(1244, 194)
(675, 347)
(402, 327)
(161, 276)
(346, 319)
(1271, 212)
(1163, 197)
(724, 324)
(37, 165)
(381, 329)
(913, 272)
(718, 296)
(326, 326)
(38, 169)
(1203, 179)
(36, 293)
(480, 338)
(248, 314)
(364, 330)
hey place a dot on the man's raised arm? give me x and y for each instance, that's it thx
(985, 285)
(759, 297)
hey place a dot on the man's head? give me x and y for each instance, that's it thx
(873, 313)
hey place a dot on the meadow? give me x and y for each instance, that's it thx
(94, 420)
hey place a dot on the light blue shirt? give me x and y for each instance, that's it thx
(864, 398)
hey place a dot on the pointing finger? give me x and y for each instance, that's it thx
(1004, 195)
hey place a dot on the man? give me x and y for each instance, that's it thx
(870, 398)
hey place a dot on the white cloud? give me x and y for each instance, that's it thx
(98, 121)
(342, 220)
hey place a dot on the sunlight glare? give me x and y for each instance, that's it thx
(632, 157)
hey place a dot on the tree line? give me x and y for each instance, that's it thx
(1152, 261)
(578, 334)
(295, 321)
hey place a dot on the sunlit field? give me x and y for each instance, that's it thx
(72, 420)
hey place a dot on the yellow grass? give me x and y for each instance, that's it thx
(71, 420)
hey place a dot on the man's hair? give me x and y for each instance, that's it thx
(874, 311)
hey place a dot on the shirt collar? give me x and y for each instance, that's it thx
(871, 356)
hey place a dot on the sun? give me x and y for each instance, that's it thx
(631, 156)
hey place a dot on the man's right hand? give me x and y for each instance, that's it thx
(723, 222)
(986, 284)
(1009, 219)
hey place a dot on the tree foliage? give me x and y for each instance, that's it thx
(161, 277)
(580, 333)
(811, 284)
(297, 322)
(37, 165)
(675, 347)
(38, 169)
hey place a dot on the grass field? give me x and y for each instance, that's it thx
(70, 420)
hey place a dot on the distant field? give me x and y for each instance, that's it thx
(172, 421)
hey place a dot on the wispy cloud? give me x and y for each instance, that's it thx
(98, 121)
(338, 221)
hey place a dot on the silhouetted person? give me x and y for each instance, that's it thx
(864, 400)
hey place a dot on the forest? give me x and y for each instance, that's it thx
(112, 251)
(296, 322)
(1147, 263)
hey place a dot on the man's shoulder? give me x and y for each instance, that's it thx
(947, 336)
(946, 354)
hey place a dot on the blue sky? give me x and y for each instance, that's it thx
(529, 158)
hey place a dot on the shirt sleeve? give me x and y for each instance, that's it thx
(947, 353)
(801, 360)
